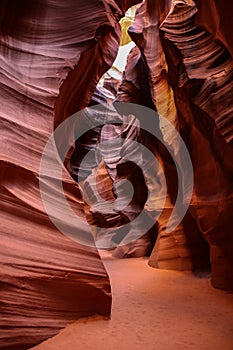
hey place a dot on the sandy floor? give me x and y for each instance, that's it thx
(154, 310)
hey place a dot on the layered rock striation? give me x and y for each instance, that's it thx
(51, 62)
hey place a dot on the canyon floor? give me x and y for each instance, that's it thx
(153, 310)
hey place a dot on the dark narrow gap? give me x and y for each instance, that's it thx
(114, 85)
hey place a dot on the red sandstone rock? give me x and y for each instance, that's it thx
(195, 93)
(203, 96)
(215, 17)
(184, 248)
(47, 279)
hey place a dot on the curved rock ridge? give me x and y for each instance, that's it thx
(47, 279)
(214, 65)
(51, 62)
(183, 248)
(179, 79)
(215, 17)
(195, 94)
(204, 94)
(108, 205)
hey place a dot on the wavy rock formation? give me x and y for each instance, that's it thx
(184, 247)
(202, 82)
(51, 62)
(47, 279)
(190, 79)
(215, 17)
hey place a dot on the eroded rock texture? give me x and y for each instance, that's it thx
(183, 248)
(47, 280)
(190, 79)
(204, 100)
(182, 68)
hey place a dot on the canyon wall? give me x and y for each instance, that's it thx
(53, 54)
(47, 279)
(189, 74)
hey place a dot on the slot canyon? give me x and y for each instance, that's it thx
(116, 153)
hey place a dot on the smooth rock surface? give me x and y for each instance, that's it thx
(47, 279)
